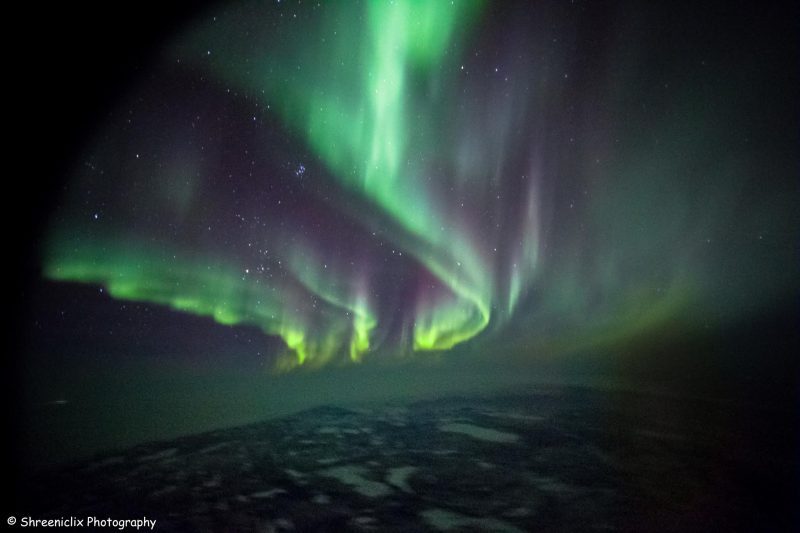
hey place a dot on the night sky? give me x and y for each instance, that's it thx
(424, 193)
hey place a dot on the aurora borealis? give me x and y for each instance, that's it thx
(381, 180)
(260, 250)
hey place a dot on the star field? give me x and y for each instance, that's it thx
(384, 180)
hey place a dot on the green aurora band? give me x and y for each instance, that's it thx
(460, 171)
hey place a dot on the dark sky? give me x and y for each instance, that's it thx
(376, 201)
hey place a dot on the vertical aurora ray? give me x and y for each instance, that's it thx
(386, 158)
(389, 165)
